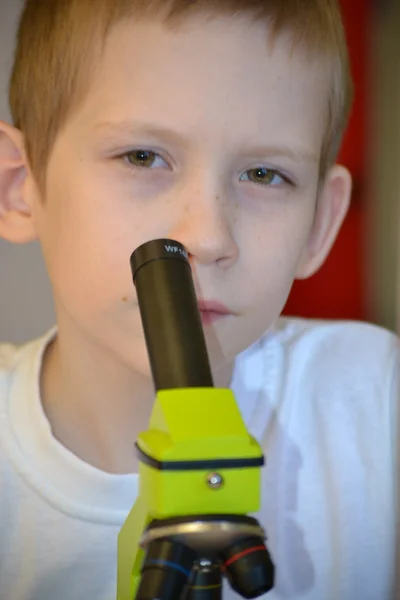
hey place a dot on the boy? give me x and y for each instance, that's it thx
(216, 124)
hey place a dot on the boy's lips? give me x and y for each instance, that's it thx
(212, 310)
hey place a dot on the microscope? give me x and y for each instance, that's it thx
(199, 468)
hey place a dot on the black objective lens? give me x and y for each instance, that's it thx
(249, 568)
(170, 316)
(205, 582)
(166, 571)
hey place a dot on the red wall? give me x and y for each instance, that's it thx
(338, 289)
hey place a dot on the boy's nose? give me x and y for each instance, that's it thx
(204, 225)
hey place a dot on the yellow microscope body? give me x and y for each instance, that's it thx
(199, 469)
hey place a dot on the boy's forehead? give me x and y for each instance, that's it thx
(218, 72)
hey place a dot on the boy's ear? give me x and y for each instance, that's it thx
(332, 206)
(16, 222)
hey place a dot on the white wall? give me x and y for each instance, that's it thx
(26, 308)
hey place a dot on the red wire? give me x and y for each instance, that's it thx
(236, 557)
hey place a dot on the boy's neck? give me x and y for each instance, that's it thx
(96, 406)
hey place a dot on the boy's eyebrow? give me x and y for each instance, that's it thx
(282, 151)
(132, 127)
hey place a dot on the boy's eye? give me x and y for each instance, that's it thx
(264, 176)
(145, 159)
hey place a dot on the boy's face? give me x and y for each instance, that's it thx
(200, 134)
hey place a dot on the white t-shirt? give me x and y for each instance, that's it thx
(322, 400)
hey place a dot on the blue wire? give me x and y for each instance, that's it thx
(169, 564)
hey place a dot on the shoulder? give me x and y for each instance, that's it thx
(337, 352)
(12, 356)
(334, 336)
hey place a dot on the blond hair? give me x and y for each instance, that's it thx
(59, 42)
